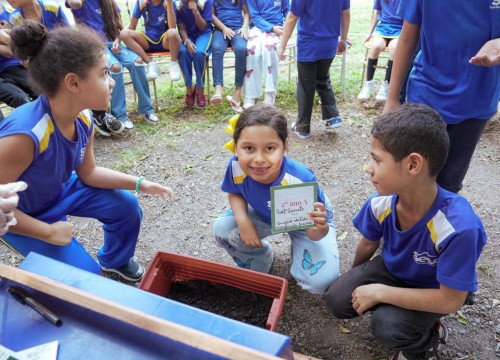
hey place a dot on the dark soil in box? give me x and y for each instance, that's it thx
(244, 306)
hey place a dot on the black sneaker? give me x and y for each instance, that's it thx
(131, 271)
(107, 123)
(432, 353)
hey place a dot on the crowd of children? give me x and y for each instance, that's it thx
(420, 152)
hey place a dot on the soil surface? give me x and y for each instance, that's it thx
(224, 300)
(193, 165)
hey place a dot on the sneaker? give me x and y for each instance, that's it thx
(333, 123)
(432, 353)
(174, 71)
(153, 71)
(301, 134)
(382, 93)
(105, 123)
(270, 98)
(131, 271)
(248, 102)
(129, 125)
(366, 91)
(150, 118)
(201, 101)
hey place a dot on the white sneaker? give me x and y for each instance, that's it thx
(248, 102)
(151, 118)
(382, 93)
(153, 71)
(270, 98)
(366, 91)
(175, 70)
(129, 125)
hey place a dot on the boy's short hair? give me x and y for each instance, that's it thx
(414, 128)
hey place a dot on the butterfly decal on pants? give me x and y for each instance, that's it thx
(307, 263)
(241, 264)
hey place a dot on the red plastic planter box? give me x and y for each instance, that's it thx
(167, 268)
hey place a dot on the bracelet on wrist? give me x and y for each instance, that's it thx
(138, 184)
(185, 42)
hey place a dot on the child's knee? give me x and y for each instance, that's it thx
(125, 34)
(128, 205)
(386, 329)
(115, 68)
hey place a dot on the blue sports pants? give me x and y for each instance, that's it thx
(315, 264)
(118, 210)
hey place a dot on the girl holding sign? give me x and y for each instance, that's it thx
(260, 144)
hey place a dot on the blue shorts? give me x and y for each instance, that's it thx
(155, 46)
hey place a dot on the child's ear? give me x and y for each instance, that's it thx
(415, 163)
(71, 82)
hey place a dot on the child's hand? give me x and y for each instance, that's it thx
(193, 7)
(366, 296)
(228, 33)
(152, 188)
(190, 46)
(115, 47)
(61, 233)
(278, 30)
(367, 39)
(318, 215)
(281, 53)
(249, 234)
(243, 31)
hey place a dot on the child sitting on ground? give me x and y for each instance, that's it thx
(160, 35)
(432, 239)
(260, 144)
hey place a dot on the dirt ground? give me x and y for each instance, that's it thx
(193, 166)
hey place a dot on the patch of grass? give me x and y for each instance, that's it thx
(129, 159)
(486, 269)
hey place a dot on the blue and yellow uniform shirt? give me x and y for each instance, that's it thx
(52, 15)
(154, 18)
(185, 16)
(258, 195)
(55, 156)
(441, 248)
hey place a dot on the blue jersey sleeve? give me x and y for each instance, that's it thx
(137, 13)
(228, 184)
(366, 222)
(411, 11)
(206, 14)
(256, 17)
(458, 256)
(285, 6)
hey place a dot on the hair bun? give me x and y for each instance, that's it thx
(28, 39)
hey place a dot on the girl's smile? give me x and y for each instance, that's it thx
(260, 153)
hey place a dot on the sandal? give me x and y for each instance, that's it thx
(235, 105)
(216, 100)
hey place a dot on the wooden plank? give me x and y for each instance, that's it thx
(177, 332)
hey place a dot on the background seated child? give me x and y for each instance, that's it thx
(261, 143)
(104, 17)
(387, 26)
(267, 18)
(194, 20)
(231, 20)
(47, 143)
(432, 239)
(14, 88)
(161, 35)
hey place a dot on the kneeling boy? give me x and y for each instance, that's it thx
(432, 239)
